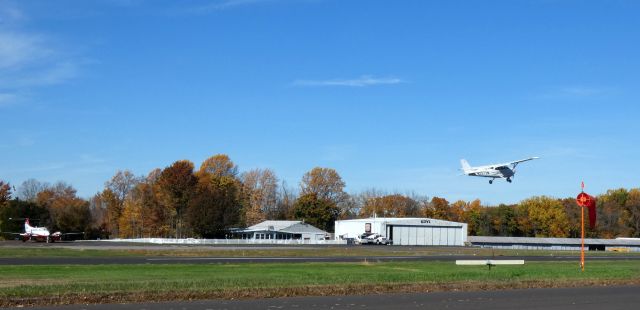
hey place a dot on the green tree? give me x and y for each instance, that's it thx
(20, 209)
(216, 206)
(321, 213)
(503, 220)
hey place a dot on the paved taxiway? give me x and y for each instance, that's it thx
(590, 298)
(35, 260)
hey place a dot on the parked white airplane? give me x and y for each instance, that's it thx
(41, 234)
(495, 171)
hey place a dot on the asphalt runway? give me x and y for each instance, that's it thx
(589, 298)
(35, 260)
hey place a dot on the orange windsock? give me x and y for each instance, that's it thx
(587, 201)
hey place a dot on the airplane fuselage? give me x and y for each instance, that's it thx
(491, 172)
(41, 234)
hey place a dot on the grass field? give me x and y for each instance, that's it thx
(17, 252)
(25, 285)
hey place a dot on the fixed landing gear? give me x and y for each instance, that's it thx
(491, 181)
(509, 180)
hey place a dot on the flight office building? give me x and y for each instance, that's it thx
(405, 231)
(282, 230)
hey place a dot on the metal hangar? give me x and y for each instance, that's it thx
(405, 231)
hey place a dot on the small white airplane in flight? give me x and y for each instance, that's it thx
(495, 171)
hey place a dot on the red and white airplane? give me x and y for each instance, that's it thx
(41, 234)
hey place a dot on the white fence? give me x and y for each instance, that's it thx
(229, 241)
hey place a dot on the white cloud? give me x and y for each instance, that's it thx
(362, 81)
(219, 5)
(29, 59)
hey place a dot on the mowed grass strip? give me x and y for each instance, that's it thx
(329, 251)
(21, 285)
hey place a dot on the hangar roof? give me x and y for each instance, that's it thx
(292, 227)
(405, 220)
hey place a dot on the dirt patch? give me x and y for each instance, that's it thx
(371, 289)
(31, 282)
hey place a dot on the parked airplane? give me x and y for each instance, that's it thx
(495, 171)
(41, 234)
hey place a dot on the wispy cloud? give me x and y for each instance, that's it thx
(362, 81)
(579, 91)
(10, 14)
(576, 92)
(7, 99)
(30, 59)
(18, 50)
(336, 153)
(82, 162)
(219, 5)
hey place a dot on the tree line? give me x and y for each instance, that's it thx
(180, 201)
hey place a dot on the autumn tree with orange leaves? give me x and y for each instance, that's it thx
(259, 187)
(5, 193)
(175, 188)
(390, 206)
(68, 212)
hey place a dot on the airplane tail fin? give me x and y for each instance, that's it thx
(27, 226)
(465, 165)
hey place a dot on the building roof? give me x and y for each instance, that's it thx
(553, 241)
(404, 220)
(292, 227)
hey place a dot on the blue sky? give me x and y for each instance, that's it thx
(391, 94)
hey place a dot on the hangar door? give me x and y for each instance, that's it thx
(425, 235)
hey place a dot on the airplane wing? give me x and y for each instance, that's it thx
(12, 233)
(73, 233)
(515, 162)
(58, 234)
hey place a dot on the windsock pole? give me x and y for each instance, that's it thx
(582, 247)
(582, 235)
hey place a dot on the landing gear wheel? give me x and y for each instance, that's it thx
(490, 181)
(509, 180)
